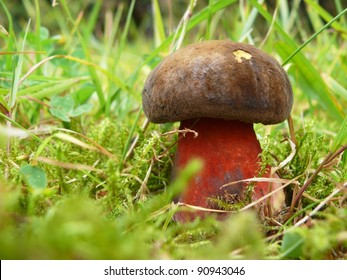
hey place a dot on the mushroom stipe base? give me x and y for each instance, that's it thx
(230, 152)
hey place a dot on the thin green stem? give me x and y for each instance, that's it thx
(314, 36)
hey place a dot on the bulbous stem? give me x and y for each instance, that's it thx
(230, 152)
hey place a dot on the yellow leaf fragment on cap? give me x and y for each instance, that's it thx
(239, 54)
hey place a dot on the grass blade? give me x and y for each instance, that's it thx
(11, 34)
(158, 26)
(51, 88)
(17, 72)
(124, 32)
(336, 87)
(341, 137)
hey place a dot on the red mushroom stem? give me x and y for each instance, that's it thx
(230, 152)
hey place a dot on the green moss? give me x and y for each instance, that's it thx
(311, 148)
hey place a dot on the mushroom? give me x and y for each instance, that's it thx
(219, 89)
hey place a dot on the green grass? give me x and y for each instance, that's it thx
(84, 176)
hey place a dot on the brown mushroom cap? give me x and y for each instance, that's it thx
(218, 79)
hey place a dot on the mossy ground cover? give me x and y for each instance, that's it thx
(84, 175)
